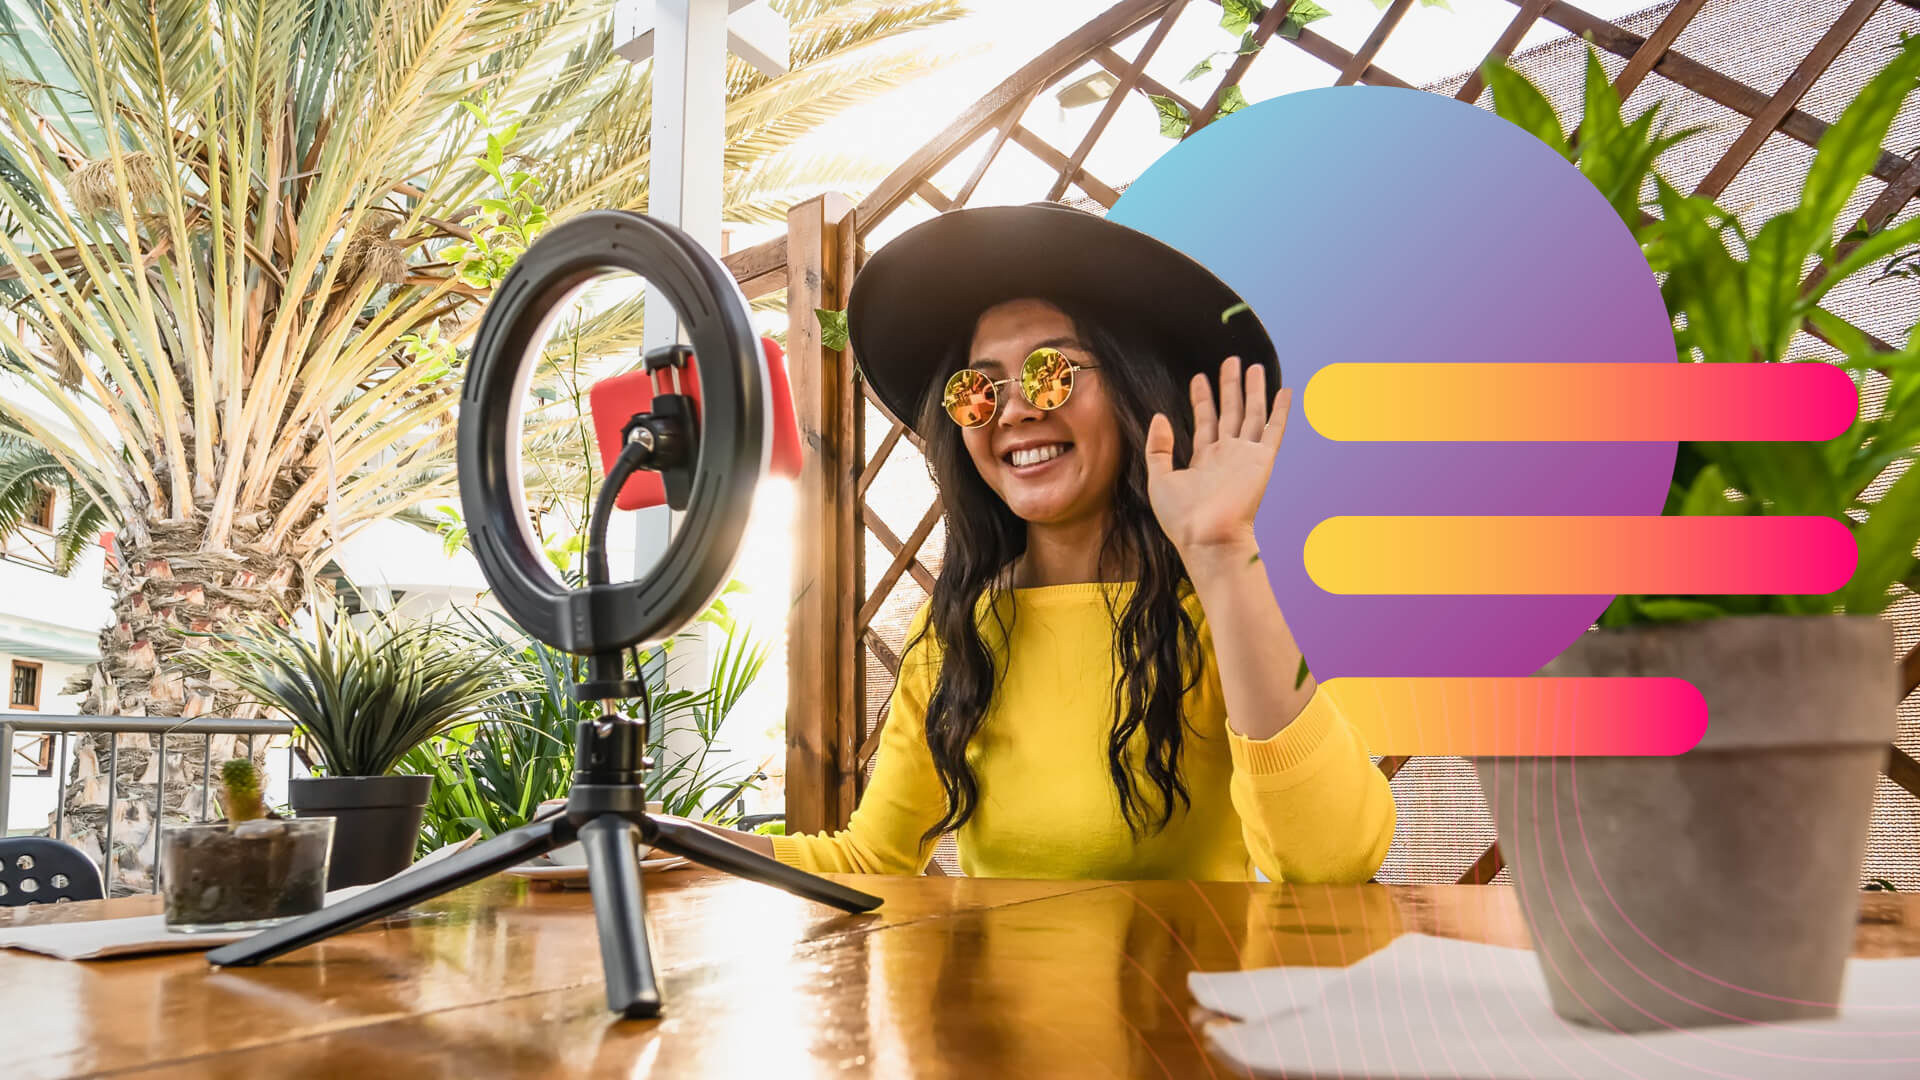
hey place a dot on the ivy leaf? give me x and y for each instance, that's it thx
(1299, 15)
(1231, 101)
(1676, 610)
(1237, 15)
(1173, 116)
(833, 328)
(1205, 65)
(1248, 46)
(1300, 676)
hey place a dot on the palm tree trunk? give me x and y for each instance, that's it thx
(166, 587)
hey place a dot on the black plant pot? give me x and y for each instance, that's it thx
(376, 821)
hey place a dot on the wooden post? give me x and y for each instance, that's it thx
(823, 710)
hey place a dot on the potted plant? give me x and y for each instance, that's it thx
(360, 699)
(253, 869)
(492, 773)
(1722, 885)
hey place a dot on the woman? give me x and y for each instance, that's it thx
(1102, 684)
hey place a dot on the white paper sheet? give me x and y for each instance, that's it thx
(99, 939)
(1428, 1007)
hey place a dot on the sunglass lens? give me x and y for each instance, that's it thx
(1047, 379)
(970, 398)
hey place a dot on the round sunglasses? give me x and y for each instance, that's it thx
(1046, 381)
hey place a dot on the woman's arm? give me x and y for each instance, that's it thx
(1253, 647)
(1207, 509)
(1311, 802)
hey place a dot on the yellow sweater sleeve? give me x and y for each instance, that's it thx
(903, 799)
(1313, 806)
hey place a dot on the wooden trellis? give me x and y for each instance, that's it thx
(847, 621)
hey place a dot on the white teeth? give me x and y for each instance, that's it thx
(1036, 455)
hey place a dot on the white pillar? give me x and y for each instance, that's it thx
(689, 140)
(684, 179)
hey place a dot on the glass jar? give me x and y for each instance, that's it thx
(242, 877)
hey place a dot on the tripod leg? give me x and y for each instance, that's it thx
(703, 847)
(482, 860)
(620, 908)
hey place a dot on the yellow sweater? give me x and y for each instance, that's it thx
(1306, 805)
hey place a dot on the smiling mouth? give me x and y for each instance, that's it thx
(1034, 457)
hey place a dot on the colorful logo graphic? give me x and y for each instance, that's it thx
(1487, 427)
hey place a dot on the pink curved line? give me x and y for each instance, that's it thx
(1600, 879)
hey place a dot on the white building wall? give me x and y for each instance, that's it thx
(55, 622)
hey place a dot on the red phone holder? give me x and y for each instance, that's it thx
(613, 402)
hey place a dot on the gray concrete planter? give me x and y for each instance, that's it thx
(1720, 886)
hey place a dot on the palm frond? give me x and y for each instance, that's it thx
(193, 194)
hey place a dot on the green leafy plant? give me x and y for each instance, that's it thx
(1238, 16)
(362, 698)
(1299, 15)
(492, 773)
(1737, 295)
(509, 219)
(833, 328)
(1173, 116)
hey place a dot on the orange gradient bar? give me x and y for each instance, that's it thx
(1524, 716)
(1579, 556)
(1401, 402)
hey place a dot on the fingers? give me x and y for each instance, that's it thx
(1205, 425)
(1159, 445)
(1277, 424)
(1256, 422)
(1232, 400)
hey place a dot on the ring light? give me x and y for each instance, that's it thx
(732, 444)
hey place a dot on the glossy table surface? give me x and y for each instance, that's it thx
(952, 976)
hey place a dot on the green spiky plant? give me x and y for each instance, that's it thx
(1740, 295)
(241, 794)
(362, 697)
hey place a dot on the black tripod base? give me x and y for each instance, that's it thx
(604, 820)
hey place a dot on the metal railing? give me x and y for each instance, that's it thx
(206, 727)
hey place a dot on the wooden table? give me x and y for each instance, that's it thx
(953, 976)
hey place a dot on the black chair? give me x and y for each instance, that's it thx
(36, 870)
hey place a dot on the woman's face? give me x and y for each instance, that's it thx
(1050, 468)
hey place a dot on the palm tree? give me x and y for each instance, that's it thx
(28, 471)
(243, 241)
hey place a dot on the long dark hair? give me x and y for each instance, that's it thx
(1156, 644)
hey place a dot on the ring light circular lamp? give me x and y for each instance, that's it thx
(725, 462)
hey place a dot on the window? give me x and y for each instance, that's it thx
(26, 685)
(40, 514)
(35, 752)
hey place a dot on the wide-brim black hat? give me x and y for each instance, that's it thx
(921, 293)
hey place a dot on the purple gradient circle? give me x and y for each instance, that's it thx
(1380, 224)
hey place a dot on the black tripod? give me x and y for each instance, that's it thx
(604, 812)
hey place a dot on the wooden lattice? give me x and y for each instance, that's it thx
(848, 622)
